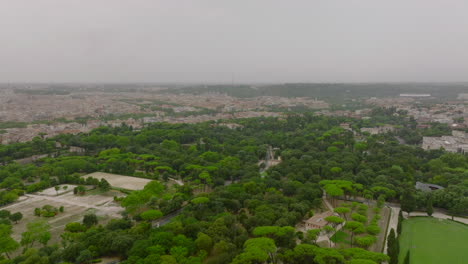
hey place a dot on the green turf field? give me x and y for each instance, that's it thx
(434, 241)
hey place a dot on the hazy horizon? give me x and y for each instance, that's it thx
(241, 42)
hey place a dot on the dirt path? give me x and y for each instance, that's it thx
(382, 223)
(270, 160)
(327, 203)
(393, 223)
(179, 182)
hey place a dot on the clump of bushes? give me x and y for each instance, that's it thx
(79, 190)
(48, 211)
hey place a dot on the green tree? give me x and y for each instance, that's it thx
(368, 197)
(168, 259)
(90, 220)
(7, 244)
(104, 185)
(16, 217)
(334, 220)
(32, 256)
(9, 197)
(205, 179)
(355, 228)
(151, 215)
(400, 221)
(373, 229)
(200, 200)
(85, 256)
(361, 261)
(328, 255)
(37, 211)
(429, 208)
(137, 199)
(359, 217)
(392, 250)
(460, 207)
(381, 201)
(204, 242)
(79, 190)
(257, 250)
(408, 202)
(342, 211)
(329, 230)
(334, 191)
(35, 231)
(362, 254)
(312, 236)
(75, 227)
(5, 213)
(302, 253)
(407, 258)
(365, 241)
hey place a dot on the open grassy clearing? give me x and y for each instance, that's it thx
(120, 181)
(340, 237)
(434, 241)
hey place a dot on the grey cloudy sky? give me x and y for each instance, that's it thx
(253, 40)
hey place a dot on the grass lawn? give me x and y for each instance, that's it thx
(434, 241)
(340, 237)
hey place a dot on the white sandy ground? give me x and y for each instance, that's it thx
(52, 192)
(75, 208)
(120, 181)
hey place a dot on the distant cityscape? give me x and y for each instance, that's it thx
(38, 110)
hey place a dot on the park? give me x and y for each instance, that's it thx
(74, 208)
(433, 241)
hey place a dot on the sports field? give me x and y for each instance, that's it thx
(434, 241)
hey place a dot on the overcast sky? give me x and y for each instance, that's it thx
(250, 40)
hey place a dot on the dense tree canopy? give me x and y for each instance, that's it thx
(225, 209)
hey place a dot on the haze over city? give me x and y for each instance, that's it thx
(233, 132)
(242, 41)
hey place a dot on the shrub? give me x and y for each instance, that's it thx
(75, 227)
(373, 229)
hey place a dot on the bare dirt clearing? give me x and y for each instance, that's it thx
(120, 181)
(64, 188)
(75, 207)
